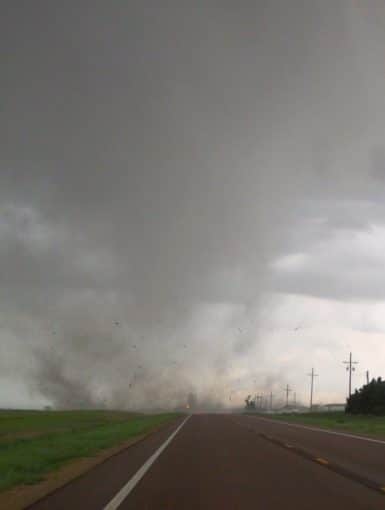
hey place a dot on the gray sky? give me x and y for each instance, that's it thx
(191, 200)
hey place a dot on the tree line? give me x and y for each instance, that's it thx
(370, 399)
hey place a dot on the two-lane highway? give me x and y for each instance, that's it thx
(215, 462)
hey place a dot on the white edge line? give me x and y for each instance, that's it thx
(314, 429)
(126, 489)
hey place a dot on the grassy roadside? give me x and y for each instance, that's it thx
(33, 444)
(359, 424)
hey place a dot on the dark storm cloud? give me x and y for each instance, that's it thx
(153, 159)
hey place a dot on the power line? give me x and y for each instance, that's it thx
(312, 375)
(350, 368)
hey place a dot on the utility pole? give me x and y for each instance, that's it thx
(312, 375)
(350, 368)
(287, 391)
(271, 401)
(367, 377)
(295, 398)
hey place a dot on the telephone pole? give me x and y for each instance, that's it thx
(350, 368)
(271, 400)
(312, 375)
(287, 391)
(367, 377)
(295, 398)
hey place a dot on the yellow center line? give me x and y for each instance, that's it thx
(321, 460)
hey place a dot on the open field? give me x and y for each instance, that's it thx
(34, 443)
(359, 424)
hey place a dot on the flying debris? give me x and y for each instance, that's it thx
(117, 323)
(300, 326)
(250, 402)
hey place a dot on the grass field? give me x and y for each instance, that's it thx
(33, 443)
(359, 424)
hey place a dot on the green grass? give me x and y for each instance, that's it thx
(359, 424)
(29, 423)
(33, 443)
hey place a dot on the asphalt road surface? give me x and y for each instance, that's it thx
(233, 462)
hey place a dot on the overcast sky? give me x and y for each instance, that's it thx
(191, 200)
